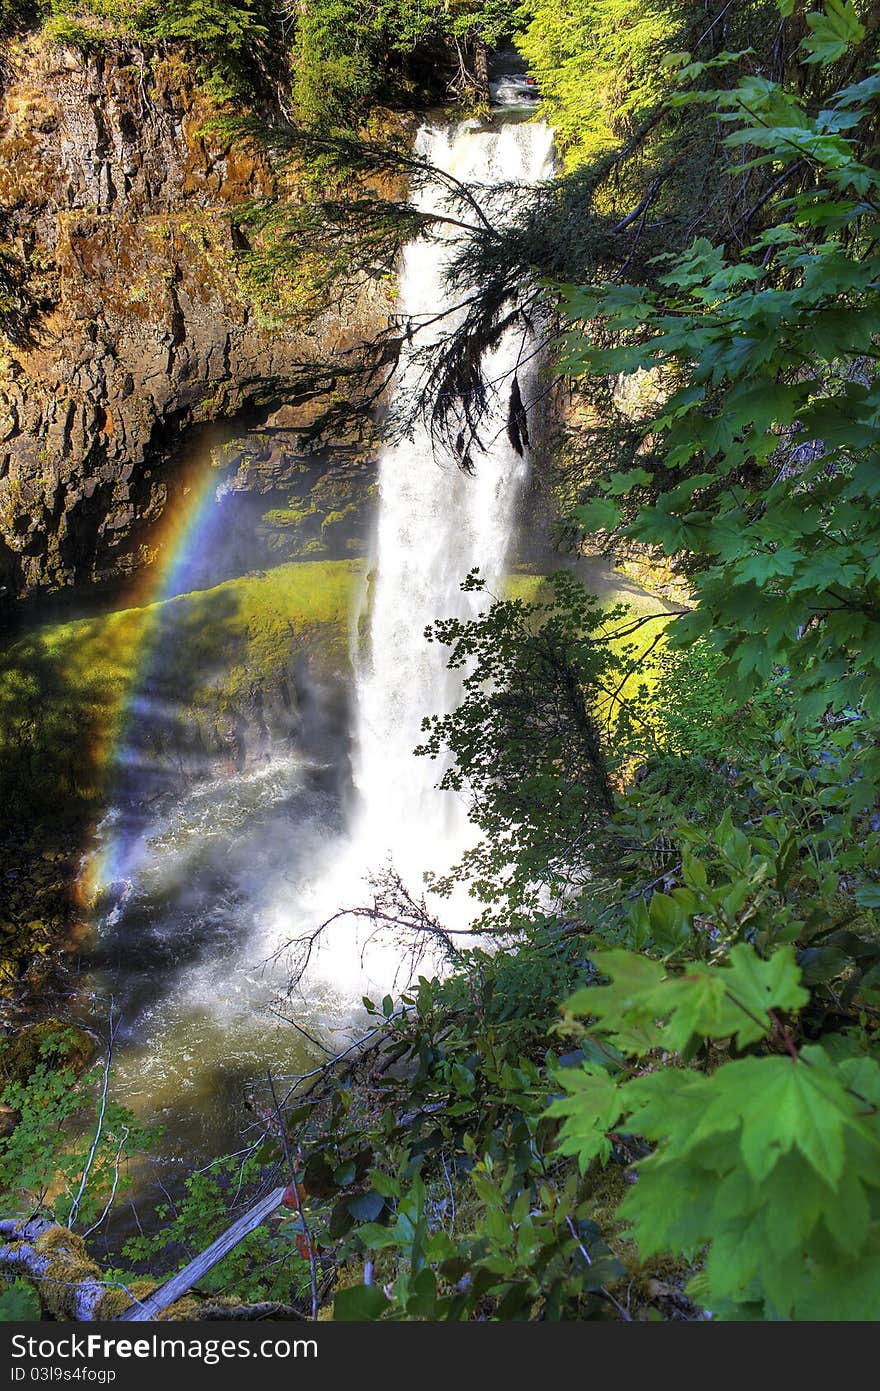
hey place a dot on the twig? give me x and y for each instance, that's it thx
(240, 1313)
(282, 1132)
(706, 32)
(332, 1062)
(606, 1293)
(285, 1018)
(102, 1111)
(109, 1203)
(581, 929)
(451, 1194)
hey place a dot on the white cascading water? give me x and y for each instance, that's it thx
(435, 524)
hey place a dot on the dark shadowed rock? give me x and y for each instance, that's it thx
(115, 194)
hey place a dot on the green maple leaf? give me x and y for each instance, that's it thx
(848, 1216)
(755, 986)
(621, 483)
(782, 1105)
(769, 564)
(820, 572)
(590, 1107)
(599, 515)
(628, 1003)
(670, 1207)
(642, 1009)
(841, 1288)
(832, 33)
(696, 1006)
(845, 1210)
(862, 1076)
(667, 1105)
(788, 1224)
(734, 1258)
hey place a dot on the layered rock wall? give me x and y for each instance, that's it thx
(114, 195)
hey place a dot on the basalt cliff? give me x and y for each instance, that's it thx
(129, 326)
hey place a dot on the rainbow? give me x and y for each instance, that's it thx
(191, 531)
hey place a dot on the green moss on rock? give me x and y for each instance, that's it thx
(21, 1052)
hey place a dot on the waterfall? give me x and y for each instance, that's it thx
(435, 523)
(241, 870)
(235, 873)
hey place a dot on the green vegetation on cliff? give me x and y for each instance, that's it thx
(338, 57)
(225, 656)
(64, 686)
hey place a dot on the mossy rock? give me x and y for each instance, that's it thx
(20, 1054)
(65, 688)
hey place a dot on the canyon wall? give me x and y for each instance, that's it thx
(135, 327)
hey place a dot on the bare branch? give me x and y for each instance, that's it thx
(102, 1111)
(285, 1144)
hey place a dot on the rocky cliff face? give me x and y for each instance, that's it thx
(114, 194)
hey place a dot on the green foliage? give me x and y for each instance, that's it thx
(335, 70)
(239, 41)
(336, 57)
(226, 23)
(608, 68)
(524, 742)
(768, 445)
(832, 32)
(725, 1024)
(763, 1165)
(521, 1256)
(347, 55)
(641, 1009)
(68, 1153)
(438, 1172)
(94, 25)
(596, 65)
(265, 1265)
(768, 1164)
(18, 1302)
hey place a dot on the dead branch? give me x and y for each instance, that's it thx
(102, 1111)
(179, 1284)
(310, 1245)
(393, 909)
(112, 1198)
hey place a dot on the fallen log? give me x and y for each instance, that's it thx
(72, 1286)
(153, 1304)
(69, 1283)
